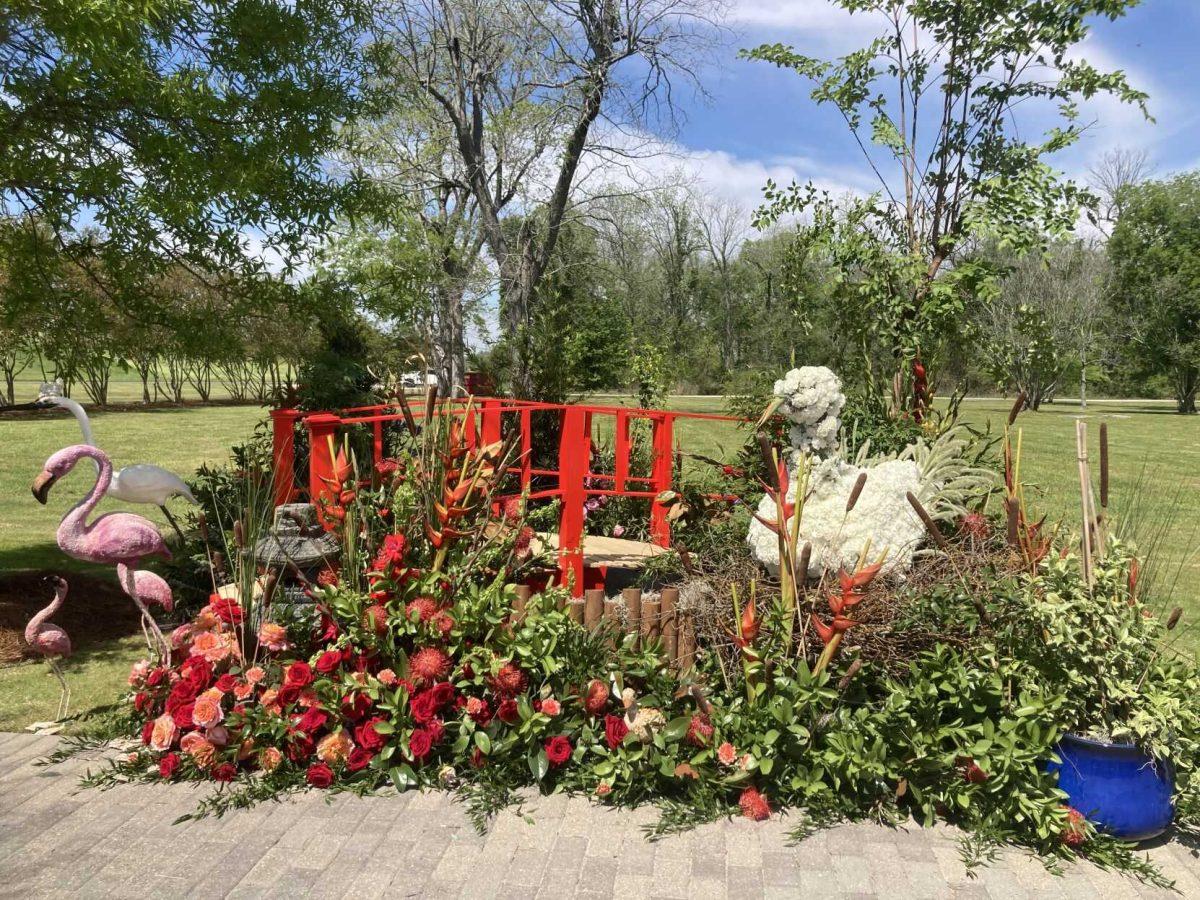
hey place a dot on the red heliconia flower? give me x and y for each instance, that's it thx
(429, 664)
(754, 805)
(509, 681)
(342, 469)
(838, 625)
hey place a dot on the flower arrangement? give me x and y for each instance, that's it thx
(414, 666)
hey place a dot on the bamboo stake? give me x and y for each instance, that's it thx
(670, 631)
(1085, 488)
(593, 608)
(633, 607)
(651, 622)
(575, 611)
(521, 599)
(687, 641)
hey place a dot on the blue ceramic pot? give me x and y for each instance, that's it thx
(1117, 786)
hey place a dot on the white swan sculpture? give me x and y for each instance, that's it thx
(141, 483)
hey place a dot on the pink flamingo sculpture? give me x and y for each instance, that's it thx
(50, 641)
(120, 539)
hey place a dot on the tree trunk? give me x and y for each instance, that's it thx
(516, 303)
(1083, 380)
(1187, 383)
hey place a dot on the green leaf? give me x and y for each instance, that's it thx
(483, 742)
(677, 728)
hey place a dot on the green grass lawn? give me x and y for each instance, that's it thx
(1155, 467)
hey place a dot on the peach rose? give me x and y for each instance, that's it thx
(164, 733)
(273, 636)
(140, 670)
(199, 748)
(211, 646)
(269, 759)
(334, 747)
(207, 710)
(270, 701)
(255, 674)
(206, 620)
(308, 698)
(387, 677)
(551, 707)
(726, 754)
(181, 637)
(243, 689)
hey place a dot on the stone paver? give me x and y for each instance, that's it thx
(56, 840)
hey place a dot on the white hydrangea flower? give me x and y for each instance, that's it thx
(813, 400)
(881, 516)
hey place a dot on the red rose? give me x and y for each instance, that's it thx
(142, 701)
(298, 674)
(443, 693)
(355, 706)
(301, 748)
(319, 775)
(182, 715)
(328, 661)
(312, 721)
(367, 737)
(183, 692)
(156, 676)
(198, 671)
(168, 765)
(359, 759)
(597, 698)
(436, 731)
(615, 730)
(226, 609)
(226, 683)
(420, 744)
(423, 706)
(558, 750)
(147, 732)
(226, 771)
(288, 694)
(508, 712)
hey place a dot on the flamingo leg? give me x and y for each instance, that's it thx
(131, 589)
(170, 518)
(64, 700)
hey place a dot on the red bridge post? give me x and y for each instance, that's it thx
(661, 472)
(322, 431)
(283, 454)
(573, 453)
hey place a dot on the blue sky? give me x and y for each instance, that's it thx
(759, 121)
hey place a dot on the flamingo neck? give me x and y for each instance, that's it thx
(36, 623)
(81, 416)
(76, 517)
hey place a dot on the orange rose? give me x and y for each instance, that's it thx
(255, 674)
(207, 710)
(273, 637)
(199, 748)
(164, 733)
(334, 747)
(269, 759)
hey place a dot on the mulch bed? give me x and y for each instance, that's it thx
(96, 610)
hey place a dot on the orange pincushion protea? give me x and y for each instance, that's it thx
(429, 664)
(509, 681)
(754, 805)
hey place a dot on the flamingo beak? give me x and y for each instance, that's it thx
(41, 486)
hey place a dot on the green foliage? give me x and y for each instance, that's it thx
(176, 125)
(1155, 255)
(947, 147)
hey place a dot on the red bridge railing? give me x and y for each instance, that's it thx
(485, 420)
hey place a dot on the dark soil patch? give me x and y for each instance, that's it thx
(96, 610)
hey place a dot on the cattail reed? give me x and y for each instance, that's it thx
(239, 534)
(1174, 618)
(431, 395)
(767, 449)
(856, 492)
(409, 422)
(930, 525)
(1013, 512)
(1018, 405)
(202, 524)
(1104, 465)
(805, 558)
(685, 559)
(849, 676)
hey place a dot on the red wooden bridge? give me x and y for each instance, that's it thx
(582, 562)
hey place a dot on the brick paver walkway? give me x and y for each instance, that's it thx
(56, 840)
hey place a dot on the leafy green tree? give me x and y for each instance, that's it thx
(1155, 256)
(178, 131)
(937, 103)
